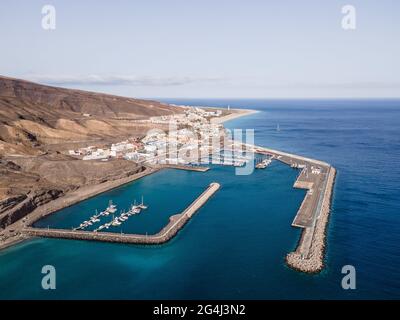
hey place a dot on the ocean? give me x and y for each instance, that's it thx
(234, 247)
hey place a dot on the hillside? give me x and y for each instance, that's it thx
(38, 123)
(34, 115)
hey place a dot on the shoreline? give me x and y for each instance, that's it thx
(238, 113)
(66, 201)
(313, 218)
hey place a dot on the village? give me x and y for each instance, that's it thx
(191, 138)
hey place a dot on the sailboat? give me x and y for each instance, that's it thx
(112, 208)
(142, 205)
(278, 128)
(135, 208)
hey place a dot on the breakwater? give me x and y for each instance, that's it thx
(182, 167)
(176, 222)
(317, 177)
(309, 255)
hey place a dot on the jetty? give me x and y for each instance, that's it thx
(182, 167)
(317, 177)
(176, 222)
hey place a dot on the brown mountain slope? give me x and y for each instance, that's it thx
(34, 115)
(27, 183)
(38, 122)
(23, 98)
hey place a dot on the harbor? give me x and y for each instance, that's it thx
(116, 220)
(15, 235)
(317, 177)
(314, 176)
(176, 222)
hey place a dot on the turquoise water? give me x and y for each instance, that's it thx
(234, 247)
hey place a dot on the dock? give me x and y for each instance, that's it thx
(176, 222)
(317, 177)
(182, 167)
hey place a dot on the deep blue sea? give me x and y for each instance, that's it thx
(234, 247)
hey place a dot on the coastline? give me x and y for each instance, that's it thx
(87, 192)
(67, 200)
(308, 256)
(234, 115)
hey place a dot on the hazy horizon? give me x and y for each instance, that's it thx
(230, 49)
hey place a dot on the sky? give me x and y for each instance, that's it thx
(206, 48)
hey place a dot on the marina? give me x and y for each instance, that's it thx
(315, 176)
(264, 163)
(176, 222)
(115, 221)
(311, 216)
(111, 209)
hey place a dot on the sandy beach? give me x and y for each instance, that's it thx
(236, 113)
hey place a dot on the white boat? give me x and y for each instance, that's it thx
(116, 223)
(142, 205)
(135, 209)
(264, 163)
(112, 208)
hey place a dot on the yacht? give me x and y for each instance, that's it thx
(135, 209)
(116, 222)
(142, 205)
(112, 208)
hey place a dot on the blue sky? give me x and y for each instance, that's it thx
(186, 48)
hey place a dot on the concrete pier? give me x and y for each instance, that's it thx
(317, 177)
(176, 222)
(182, 167)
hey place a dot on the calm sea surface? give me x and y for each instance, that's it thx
(234, 247)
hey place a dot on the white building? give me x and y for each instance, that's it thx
(315, 170)
(150, 148)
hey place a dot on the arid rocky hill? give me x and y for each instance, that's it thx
(38, 122)
(33, 115)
